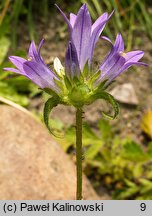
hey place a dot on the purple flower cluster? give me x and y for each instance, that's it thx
(83, 38)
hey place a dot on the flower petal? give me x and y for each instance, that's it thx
(18, 62)
(107, 39)
(134, 56)
(72, 19)
(12, 70)
(34, 76)
(65, 18)
(131, 58)
(33, 53)
(40, 45)
(97, 29)
(118, 63)
(109, 64)
(71, 61)
(99, 21)
(40, 74)
(124, 68)
(81, 34)
(119, 43)
(113, 56)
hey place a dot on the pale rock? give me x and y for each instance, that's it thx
(33, 165)
(125, 93)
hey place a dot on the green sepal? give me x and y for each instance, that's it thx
(94, 77)
(85, 70)
(49, 105)
(110, 99)
(101, 86)
(79, 95)
(67, 82)
(76, 80)
(58, 83)
(105, 87)
(50, 92)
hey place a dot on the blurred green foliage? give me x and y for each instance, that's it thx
(122, 166)
(12, 12)
(13, 87)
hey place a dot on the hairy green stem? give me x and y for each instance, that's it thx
(79, 153)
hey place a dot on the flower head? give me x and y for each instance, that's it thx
(118, 61)
(83, 36)
(78, 84)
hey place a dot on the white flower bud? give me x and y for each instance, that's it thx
(58, 67)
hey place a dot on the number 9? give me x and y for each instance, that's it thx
(142, 206)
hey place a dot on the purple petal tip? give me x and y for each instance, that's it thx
(84, 7)
(107, 39)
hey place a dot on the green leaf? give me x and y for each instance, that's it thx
(105, 129)
(49, 105)
(88, 133)
(94, 149)
(68, 139)
(57, 124)
(149, 150)
(146, 186)
(4, 46)
(127, 192)
(138, 171)
(147, 196)
(111, 100)
(10, 93)
(133, 151)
